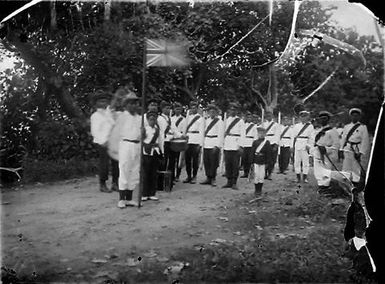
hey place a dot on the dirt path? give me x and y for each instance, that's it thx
(71, 232)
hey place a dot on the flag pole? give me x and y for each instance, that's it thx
(141, 179)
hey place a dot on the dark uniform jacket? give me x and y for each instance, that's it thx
(262, 157)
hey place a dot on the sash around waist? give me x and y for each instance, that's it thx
(193, 131)
(237, 135)
(353, 143)
(132, 141)
(211, 136)
(249, 136)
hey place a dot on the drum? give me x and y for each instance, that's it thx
(164, 181)
(178, 145)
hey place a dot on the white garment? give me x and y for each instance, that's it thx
(301, 156)
(180, 128)
(236, 137)
(214, 137)
(259, 173)
(129, 166)
(286, 140)
(360, 135)
(196, 131)
(305, 138)
(273, 134)
(251, 135)
(150, 132)
(102, 122)
(164, 121)
(129, 126)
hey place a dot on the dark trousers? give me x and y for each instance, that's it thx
(284, 159)
(150, 175)
(211, 162)
(192, 159)
(104, 165)
(232, 164)
(170, 161)
(272, 159)
(246, 160)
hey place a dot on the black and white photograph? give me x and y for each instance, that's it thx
(182, 141)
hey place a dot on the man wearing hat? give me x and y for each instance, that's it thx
(301, 143)
(354, 145)
(285, 144)
(325, 151)
(152, 153)
(272, 134)
(178, 123)
(195, 133)
(102, 122)
(260, 152)
(250, 136)
(233, 145)
(129, 126)
(213, 142)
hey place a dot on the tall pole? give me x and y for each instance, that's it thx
(141, 179)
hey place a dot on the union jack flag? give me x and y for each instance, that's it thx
(165, 53)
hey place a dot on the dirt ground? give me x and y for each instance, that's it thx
(70, 232)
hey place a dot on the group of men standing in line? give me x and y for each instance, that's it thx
(240, 142)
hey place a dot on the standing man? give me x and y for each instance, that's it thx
(250, 136)
(272, 135)
(102, 122)
(302, 142)
(285, 144)
(233, 146)
(195, 133)
(326, 145)
(213, 143)
(354, 145)
(178, 123)
(129, 124)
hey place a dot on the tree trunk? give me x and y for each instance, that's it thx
(53, 21)
(107, 10)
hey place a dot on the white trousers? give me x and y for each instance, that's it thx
(259, 173)
(129, 166)
(301, 156)
(351, 166)
(322, 172)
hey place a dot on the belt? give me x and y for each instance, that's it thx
(304, 137)
(286, 137)
(233, 134)
(249, 136)
(193, 131)
(353, 143)
(211, 136)
(269, 134)
(132, 141)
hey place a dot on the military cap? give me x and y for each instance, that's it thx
(248, 113)
(164, 104)
(324, 113)
(357, 110)
(100, 95)
(212, 106)
(177, 104)
(304, 113)
(233, 105)
(261, 129)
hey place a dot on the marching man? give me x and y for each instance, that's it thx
(260, 152)
(285, 144)
(326, 145)
(272, 134)
(129, 123)
(212, 144)
(354, 145)
(233, 146)
(102, 122)
(195, 134)
(250, 136)
(302, 143)
(178, 123)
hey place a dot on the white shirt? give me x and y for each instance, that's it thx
(214, 138)
(360, 136)
(164, 121)
(101, 125)
(196, 132)
(273, 134)
(251, 135)
(236, 136)
(286, 140)
(305, 139)
(179, 129)
(330, 141)
(150, 132)
(129, 126)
